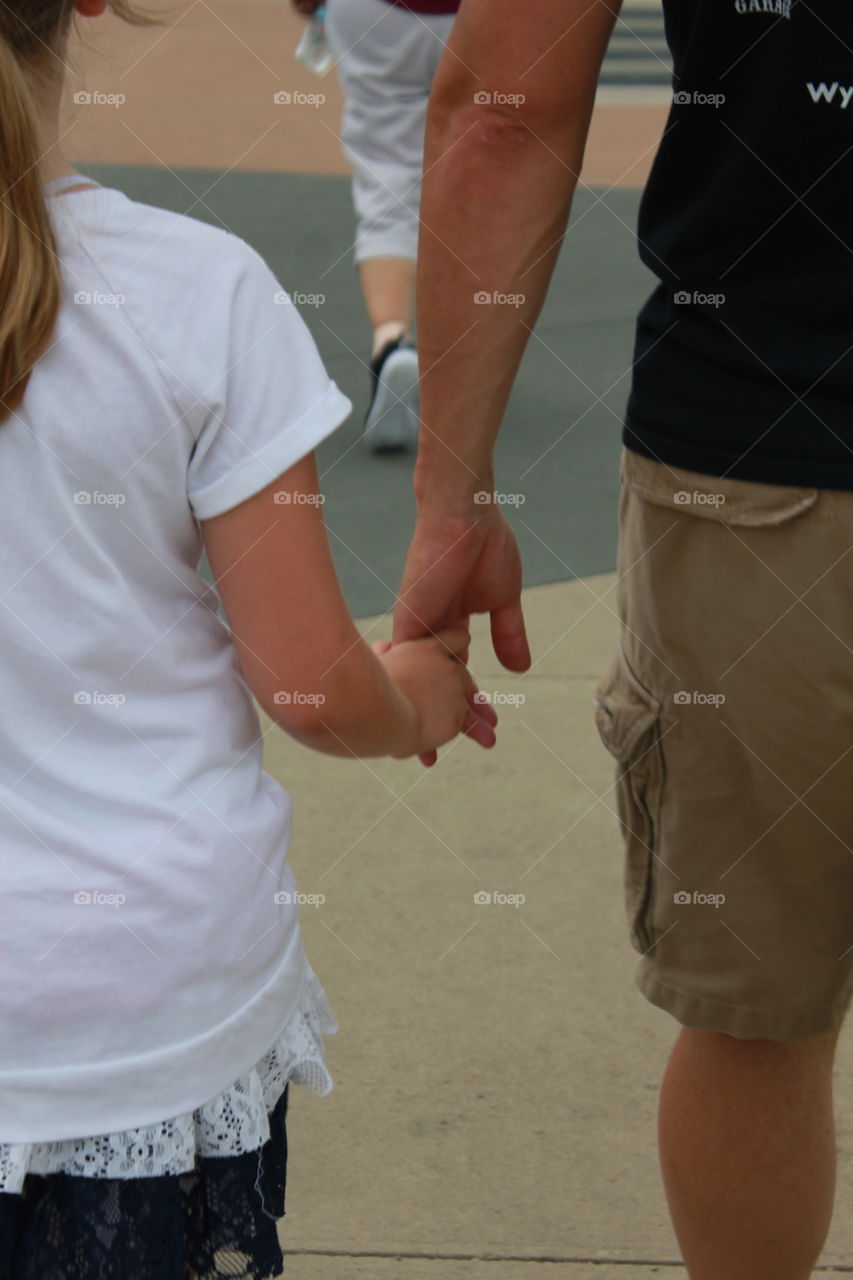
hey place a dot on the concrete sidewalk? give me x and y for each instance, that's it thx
(496, 1070)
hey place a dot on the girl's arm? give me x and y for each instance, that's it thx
(300, 651)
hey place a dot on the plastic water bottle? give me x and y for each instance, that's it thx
(313, 50)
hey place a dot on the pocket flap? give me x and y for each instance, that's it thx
(720, 498)
(624, 711)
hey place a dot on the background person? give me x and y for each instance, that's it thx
(730, 706)
(387, 52)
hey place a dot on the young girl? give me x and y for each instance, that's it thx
(158, 395)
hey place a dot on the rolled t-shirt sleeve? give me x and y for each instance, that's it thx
(268, 399)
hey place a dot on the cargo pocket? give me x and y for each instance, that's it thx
(628, 720)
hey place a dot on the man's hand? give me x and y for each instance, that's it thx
(460, 565)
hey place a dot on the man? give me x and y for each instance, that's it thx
(730, 706)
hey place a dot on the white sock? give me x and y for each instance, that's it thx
(386, 333)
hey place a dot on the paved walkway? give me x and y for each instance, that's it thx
(497, 1071)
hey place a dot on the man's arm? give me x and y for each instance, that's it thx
(507, 125)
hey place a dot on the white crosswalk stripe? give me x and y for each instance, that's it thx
(638, 58)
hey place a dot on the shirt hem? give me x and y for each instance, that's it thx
(53, 1105)
(689, 456)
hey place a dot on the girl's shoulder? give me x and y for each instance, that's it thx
(191, 295)
(148, 244)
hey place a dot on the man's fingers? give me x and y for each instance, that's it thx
(457, 641)
(509, 637)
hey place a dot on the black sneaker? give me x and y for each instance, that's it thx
(394, 414)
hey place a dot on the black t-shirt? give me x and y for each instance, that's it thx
(744, 352)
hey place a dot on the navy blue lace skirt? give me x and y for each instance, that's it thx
(217, 1221)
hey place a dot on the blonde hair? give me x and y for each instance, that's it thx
(30, 281)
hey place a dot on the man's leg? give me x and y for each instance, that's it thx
(718, 728)
(747, 1148)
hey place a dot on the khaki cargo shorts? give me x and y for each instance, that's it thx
(729, 711)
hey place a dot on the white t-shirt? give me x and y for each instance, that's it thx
(145, 963)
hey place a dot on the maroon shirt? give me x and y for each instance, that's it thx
(428, 6)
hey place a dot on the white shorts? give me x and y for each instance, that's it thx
(386, 58)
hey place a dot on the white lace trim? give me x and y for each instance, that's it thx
(235, 1122)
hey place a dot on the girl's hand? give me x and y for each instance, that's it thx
(431, 676)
